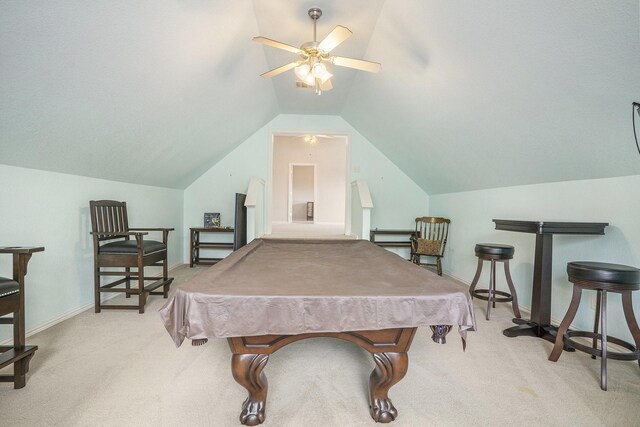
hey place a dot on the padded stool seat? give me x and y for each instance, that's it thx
(603, 278)
(604, 272)
(130, 247)
(502, 251)
(495, 252)
(8, 287)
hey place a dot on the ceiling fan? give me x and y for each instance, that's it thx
(312, 69)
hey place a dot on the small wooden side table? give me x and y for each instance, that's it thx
(196, 245)
(393, 240)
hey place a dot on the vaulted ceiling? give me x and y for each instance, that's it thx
(471, 94)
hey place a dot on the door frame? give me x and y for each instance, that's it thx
(273, 134)
(290, 193)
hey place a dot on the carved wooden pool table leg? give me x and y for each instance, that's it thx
(390, 368)
(247, 371)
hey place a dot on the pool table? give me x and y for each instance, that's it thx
(273, 292)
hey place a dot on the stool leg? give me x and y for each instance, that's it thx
(492, 288)
(603, 328)
(493, 275)
(512, 289)
(627, 306)
(596, 323)
(564, 325)
(474, 282)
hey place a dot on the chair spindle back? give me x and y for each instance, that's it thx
(108, 216)
(434, 229)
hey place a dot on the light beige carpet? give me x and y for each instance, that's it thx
(120, 368)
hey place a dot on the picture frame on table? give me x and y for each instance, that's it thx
(211, 219)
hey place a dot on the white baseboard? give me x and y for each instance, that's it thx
(68, 315)
(61, 318)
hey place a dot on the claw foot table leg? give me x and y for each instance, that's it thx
(247, 371)
(390, 368)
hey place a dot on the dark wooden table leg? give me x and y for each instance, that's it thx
(540, 323)
(247, 371)
(390, 368)
(388, 346)
(191, 248)
(541, 293)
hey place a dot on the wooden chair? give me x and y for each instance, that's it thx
(12, 302)
(113, 247)
(430, 240)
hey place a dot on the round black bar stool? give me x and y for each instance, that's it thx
(603, 278)
(495, 252)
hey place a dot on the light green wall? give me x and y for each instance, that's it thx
(612, 200)
(397, 199)
(49, 209)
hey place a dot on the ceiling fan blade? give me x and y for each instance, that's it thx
(325, 87)
(277, 44)
(279, 70)
(358, 64)
(335, 37)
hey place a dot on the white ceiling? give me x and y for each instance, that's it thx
(471, 94)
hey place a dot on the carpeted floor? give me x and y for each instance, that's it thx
(120, 368)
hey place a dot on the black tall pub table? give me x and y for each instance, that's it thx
(540, 323)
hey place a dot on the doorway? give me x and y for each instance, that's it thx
(302, 192)
(307, 194)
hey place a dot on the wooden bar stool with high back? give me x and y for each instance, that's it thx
(601, 277)
(115, 244)
(12, 304)
(495, 252)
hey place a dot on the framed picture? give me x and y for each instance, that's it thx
(211, 220)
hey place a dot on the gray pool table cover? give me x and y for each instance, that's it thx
(290, 287)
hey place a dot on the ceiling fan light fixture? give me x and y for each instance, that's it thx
(318, 69)
(302, 70)
(309, 79)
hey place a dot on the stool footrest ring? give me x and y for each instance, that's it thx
(483, 294)
(633, 354)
